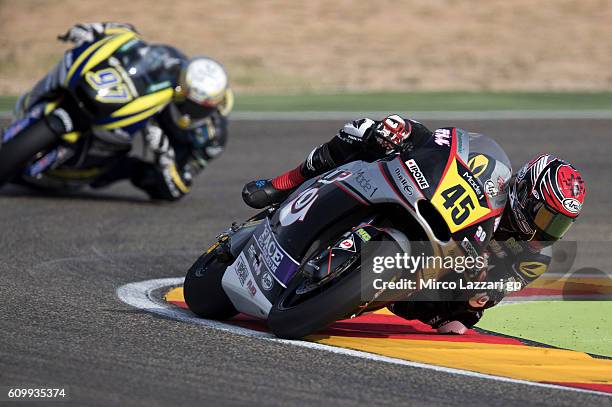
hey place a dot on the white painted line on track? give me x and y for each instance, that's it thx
(430, 115)
(418, 115)
(139, 295)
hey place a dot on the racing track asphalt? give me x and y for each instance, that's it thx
(63, 257)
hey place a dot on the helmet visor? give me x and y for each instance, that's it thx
(194, 110)
(552, 223)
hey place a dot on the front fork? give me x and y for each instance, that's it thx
(339, 257)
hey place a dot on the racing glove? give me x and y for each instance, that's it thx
(89, 32)
(156, 140)
(448, 317)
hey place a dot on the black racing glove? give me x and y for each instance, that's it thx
(438, 313)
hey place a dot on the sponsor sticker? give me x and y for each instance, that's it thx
(480, 234)
(365, 183)
(478, 164)
(272, 254)
(267, 282)
(417, 174)
(241, 270)
(572, 205)
(363, 235)
(348, 244)
(266, 255)
(406, 185)
(501, 184)
(474, 184)
(442, 137)
(251, 286)
(255, 260)
(496, 223)
(490, 188)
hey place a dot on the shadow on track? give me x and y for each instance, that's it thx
(20, 191)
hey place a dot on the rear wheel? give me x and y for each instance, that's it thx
(15, 153)
(203, 291)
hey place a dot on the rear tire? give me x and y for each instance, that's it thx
(15, 153)
(203, 292)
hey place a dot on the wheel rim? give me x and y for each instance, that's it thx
(292, 297)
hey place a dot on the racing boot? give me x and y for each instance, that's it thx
(261, 193)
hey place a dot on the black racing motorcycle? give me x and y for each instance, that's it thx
(299, 264)
(111, 87)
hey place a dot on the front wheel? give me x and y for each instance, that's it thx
(16, 152)
(202, 289)
(300, 311)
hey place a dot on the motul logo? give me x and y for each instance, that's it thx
(417, 174)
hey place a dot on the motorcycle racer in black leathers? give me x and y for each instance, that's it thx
(544, 198)
(180, 140)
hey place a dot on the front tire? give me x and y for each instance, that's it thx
(202, 289)
(316, 313)
(292, 317)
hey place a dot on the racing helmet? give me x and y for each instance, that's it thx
(546, 197)
(203, 88)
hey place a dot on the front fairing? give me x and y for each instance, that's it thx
(446, 175)
(121, 81)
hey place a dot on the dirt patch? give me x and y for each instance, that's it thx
(276, 46)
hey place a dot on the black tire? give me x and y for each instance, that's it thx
(203, 292)
(15, 153)
(340, 299)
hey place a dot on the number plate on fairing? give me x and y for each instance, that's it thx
(460, 198)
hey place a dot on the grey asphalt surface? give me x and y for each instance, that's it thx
(63, 257)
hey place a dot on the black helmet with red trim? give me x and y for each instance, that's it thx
(546, 197)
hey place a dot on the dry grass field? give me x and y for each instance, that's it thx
(325, 46)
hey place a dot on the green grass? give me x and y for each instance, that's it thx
(7, 103)
(414, 101)
(578, 325)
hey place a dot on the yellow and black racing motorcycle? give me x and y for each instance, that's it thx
(111, 88)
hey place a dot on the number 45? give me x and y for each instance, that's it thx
(461, 210)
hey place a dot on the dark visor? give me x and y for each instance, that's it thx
(552, 223)
(194, 110)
